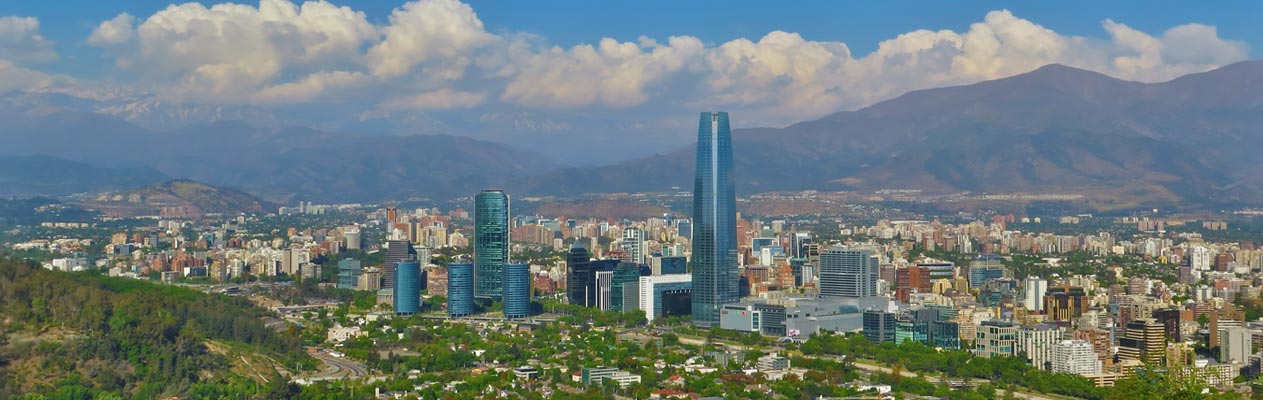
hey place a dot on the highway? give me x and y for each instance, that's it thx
(333, 368)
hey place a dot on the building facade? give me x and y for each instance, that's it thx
(407, 290)
(848, 273)
(517, 290)
(460, 289)
(491, 242)
(714, 221)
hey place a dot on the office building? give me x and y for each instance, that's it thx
(491, 242)
(623, 287)
(517, 290)
(911, 279)
(1035, 342)
(995, 338)
(352, 239)
(879, 326)
(1033, 290)
(397, 250)
(667, 265)
(1065, 303)
(460, 289)
(407, 289)
(714, 221)
(1143, 340)
(940, 269)
(348, 273)
(653, 288)
(604, 289)
(945, 335)
(578, 275)
(985, 268)
(1075, 357)
(848, 273)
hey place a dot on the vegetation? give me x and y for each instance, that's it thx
(79, 334)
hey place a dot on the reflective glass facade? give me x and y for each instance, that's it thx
(517, 290)
(460, 289)
(714, 221)
(491, 242)
(407, 290)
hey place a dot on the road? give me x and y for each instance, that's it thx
(333, 368)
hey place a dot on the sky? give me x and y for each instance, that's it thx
(522, 71)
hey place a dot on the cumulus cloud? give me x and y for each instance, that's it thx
(281, 52)
(611, 73)
(118, 30)
(21, 42)
(440, 32)
(442, 99)
(230, 51)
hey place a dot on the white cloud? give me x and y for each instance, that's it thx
(13, 77)
(228, 51)
(437, 32)
(612, 73)
(20, 41)
(280, 52)
(118, 30)
(442, 99)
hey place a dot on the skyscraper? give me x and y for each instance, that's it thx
(491, 242)
(398, 250)
(714, 221)
(460, 289)
(517, 290)
(578, 274)
(634, 244)
(1034, 289)
(407, 289)
(848, 273)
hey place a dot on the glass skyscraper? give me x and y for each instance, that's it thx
(407, 290)
(714, 221)
(491, 242)
(517, 290)
(460, 289)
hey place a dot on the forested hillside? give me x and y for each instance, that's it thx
(77, 335)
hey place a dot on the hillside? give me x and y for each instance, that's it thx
(83, 336)
(41, 175)
(178, 198)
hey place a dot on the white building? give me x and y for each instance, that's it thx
(1036, 342)
(1075, 357)
(1034, 288)
(1236, 347)
(634, 244)
(650, 295)
(1200, 258)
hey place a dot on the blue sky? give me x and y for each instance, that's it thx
(534, 72)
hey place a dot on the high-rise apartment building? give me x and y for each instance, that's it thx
(714, 221)
(634, 244)
(848, 273)
(1075, 357)
(491, 242)
(1035, 343)
(1144, 340)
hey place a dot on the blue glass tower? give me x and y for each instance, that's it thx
(348, 273)
(460, 290)
(517, 290)
(714, 221)
(407, 290)
(491, 242)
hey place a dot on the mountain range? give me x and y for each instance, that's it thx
(1193, 140)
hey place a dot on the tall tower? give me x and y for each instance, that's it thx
(460, 289)
(491, 242)
(634, 244)
(714, 221)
